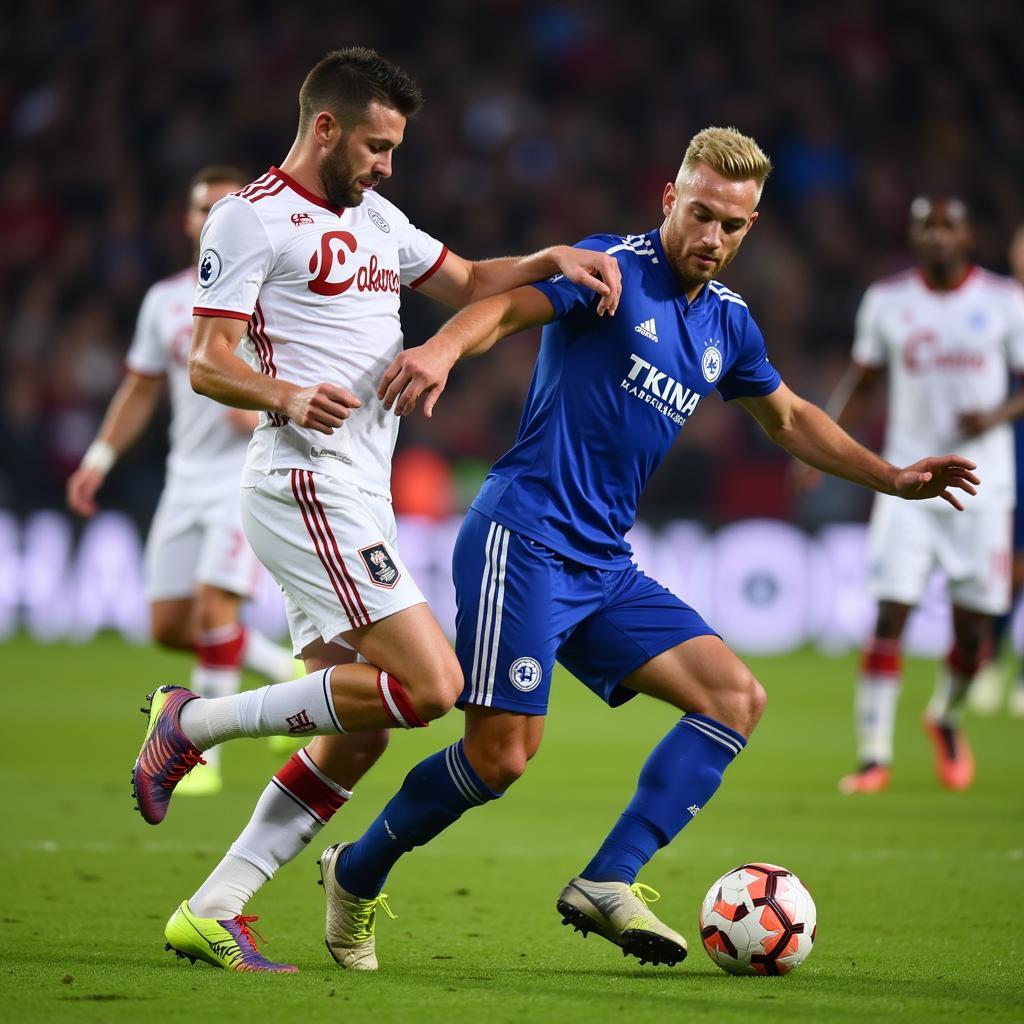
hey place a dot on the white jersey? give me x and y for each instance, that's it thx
(946, 352)
(319, 289)
(206, 451)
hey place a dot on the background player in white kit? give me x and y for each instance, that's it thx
(307, 263)
(949, 334)
(198, 565)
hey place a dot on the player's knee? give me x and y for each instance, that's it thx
(739, 701)
(502, 767)
(434, 695)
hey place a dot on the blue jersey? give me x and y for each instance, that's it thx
(610, 394)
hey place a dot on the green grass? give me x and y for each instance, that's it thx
(919, 891)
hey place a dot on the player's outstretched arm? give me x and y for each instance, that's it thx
(459, 282)
(807, 433)
(215, 371)
(129, 411)
(973, 423)
(422, 372)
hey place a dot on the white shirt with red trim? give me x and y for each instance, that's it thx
(206, 451)
(320, 289)
(946, 352)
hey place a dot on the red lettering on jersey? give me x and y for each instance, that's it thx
(921, 355)
(329, 251)
(376, 279)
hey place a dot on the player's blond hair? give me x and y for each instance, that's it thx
(729, 152)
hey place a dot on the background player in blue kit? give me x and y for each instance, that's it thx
(543, 572)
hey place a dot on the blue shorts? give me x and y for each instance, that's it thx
(522, 606)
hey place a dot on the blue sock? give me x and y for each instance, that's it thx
(433, 796)
(678, 778)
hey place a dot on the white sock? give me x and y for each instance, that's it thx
(214, 682)
(947, 704)
(270, 660)
(295, 806)
(300, 707)
(876, 718)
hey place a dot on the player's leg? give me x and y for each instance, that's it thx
(645, 640)
(170, 623)
(902, 549)
(362, 594)
(295, 806)
(507, 630)
(877, 695)
(954, 761)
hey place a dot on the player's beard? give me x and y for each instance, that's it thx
(338, 179)
(689, 278)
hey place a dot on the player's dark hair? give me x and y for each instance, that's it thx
(346, 81)
(218, 174)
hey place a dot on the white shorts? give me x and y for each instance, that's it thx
(908, 539)
(193, 542)
(333, 550)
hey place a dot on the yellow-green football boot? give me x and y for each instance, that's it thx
(228, 944)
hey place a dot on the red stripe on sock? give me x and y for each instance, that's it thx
(881, 657)
(401, 701)
(222, 653)
(296, 777)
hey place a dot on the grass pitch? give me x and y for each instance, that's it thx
(919, 891)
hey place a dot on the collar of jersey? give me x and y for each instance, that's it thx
(305, 193)
(669, 275)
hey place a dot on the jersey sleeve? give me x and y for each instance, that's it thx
(1015, 341)
(752, 374)
(868, 341)
(419, 254)
(149, 352)
(565, 296)
(235, 257)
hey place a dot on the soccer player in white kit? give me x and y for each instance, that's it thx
(198, 566)
(307, 264)
(948, 334)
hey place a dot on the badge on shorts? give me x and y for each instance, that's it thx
(525, 674)
(382, 570)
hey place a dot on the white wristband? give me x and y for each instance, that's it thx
(99, 456)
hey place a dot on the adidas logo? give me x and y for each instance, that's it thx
(647, 329)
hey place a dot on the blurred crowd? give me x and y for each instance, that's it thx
(544, 122)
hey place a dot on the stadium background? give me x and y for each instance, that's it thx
(544, 122)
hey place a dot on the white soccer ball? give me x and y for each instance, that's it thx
(758, 919)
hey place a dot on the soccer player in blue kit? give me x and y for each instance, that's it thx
(542, 570)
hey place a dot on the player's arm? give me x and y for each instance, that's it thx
(809, 434)
(459, 282)
(216, 371)
(130, 409)
(422, 372)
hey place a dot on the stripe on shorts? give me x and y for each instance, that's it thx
(319, 530)
(489, 612)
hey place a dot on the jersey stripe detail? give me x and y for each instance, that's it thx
(437, 264)
(265, 353)
(263, 179)
(362, 612)
(319, 529)
(231, 314)
(262, 188)
(489, 614)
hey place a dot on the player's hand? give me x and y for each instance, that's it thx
(417, 373)
(933, 477)
(322, 407)
(81, 490)
(972, 424)
(597, 270)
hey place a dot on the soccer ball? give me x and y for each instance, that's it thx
(758, 919)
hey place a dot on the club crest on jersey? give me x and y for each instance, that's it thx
(379, 221)
(382, 570)
(525, 674)
(711, 361)
(210, 266)
(299, 219)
